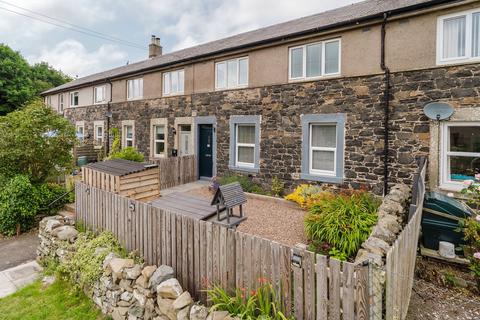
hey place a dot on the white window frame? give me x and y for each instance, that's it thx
(184, 133)
(169, 74)
(72, 98)
(126, 124)
(79, 125)
(104, 90)
(311, 148)
(445, 182)
(96, 125)
(322, 62)
(140, 81)
(239, 144)
(48, 101)
(468, 38)
(61, 102)
(155, 140)
(225, 62)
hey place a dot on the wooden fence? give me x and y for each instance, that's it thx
(400, 263)
(175, 171)
(202, 253)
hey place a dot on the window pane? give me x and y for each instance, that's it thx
(181, 81)
(232, 73)
(297, 63)
(174, 78)
(243, 72)
(159, 132)
(323, 160)
(314, 57)
(324, 136)
(463, 168)
(454, 37)
(332, 57)
(221, 75)
(246, 134)
(129, 132)
(476, 35)
(464, 139)
(159, 147)
(185, 127)
(246, 154)
(166, 83)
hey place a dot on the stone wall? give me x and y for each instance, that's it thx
(127, 290)
(281, 106)
(391, 215)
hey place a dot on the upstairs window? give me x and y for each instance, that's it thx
(173, 82)
(134, 89)
(458, 37)
(99, 93)
(60, 102)
(74, 99)
(231, 74)
(315, 60)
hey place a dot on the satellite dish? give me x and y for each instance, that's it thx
(438, 110)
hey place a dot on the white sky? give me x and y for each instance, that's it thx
(179, 24)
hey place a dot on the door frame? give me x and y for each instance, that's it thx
(197, 121)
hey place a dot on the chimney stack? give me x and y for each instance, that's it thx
(154, 48)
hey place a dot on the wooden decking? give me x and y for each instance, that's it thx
(186, 204)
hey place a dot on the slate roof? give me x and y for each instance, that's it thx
(351, 14)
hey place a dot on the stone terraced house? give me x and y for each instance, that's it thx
(335, 98)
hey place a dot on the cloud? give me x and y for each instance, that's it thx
(74, 59)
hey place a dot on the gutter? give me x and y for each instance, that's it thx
(386, 105)
(267, 41)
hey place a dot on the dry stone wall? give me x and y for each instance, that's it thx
(127, 290)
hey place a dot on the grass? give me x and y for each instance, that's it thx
(57, 302)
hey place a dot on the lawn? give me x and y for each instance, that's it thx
(57, 302)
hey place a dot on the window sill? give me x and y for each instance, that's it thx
(135, 99)
(244, 169)
(232, 88)
(328, 179)
(173, 95)
(452, 187)
(324, 77)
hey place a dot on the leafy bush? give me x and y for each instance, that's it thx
(85, 266)
(47, 193)
(342, 221)
(18, 205)
(303, 193)
(36, 142)
(277, 187)
(263, 303)
(117, 142)
(128, 153)
(247, 184)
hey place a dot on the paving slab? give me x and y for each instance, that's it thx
(17, 250)
(17, 277)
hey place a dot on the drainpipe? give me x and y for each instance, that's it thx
(109, 115)
(386, 101)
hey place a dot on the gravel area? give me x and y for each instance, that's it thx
(268, 218)
(431, 301)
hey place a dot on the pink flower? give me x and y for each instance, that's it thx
(476, 255)
(477, 176)
(468, 182)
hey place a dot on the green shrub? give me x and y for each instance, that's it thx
(263, 303)
(117, 142)
(277, 187)
(247, 184)
(342, 221)
(85, 265)
(128, 153)
(18, 206)
(47, 193)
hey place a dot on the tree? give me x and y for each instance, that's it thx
(20, 82)
(35, 142)
(15, 83)
(45, 77)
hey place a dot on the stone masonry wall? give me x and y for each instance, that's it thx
(281, 106)
(127, 290)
